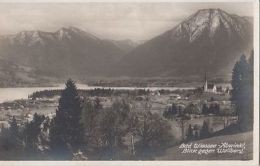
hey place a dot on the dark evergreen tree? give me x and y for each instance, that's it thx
(205, 109)
(170, 112)
(174, 109)
(32, 132)
(66, 131)
(196, 135)
(90, 120)
(46, 124)
(14, 133)
(190, 133)
(217, 109)
(251, 60)
(97, 104)
(251, 88)
(214, 109)
(204, 132)
(211, 109)
(242, 93)
(191, 109)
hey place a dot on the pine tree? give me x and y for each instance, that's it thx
(190, 133)
(66, 132)
(236, 82)
(14, 132)
(251, 87)
(205, 109)
(13, 127)
(174, 109)
(97, 104)
(32, 132)
(196, 135)
(89, 119)
(251, 60)
(242, 93)
(204, 132)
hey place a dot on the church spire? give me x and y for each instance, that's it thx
(205, 87)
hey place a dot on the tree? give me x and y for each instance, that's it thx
(205, 109)
(66, 132)
(174, 109)
(170, 112)
(97, 104)
(10, 137)
(191, 109)
(214, 109)
(154, 133)
(90, 120)
(204, 132)
(114, 125)
(251, 60)
(14, 132)
(190, 133)
(46, 124)
(32, 132)
(242, 93)
(196, 135)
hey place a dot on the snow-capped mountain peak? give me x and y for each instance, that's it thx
(210, 21)
(28, 38)
(68, 33)
(40, 38)
(190, 48)
(63, 33)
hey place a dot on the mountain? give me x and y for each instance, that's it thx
(64, 52)
(125, 45)
(210, 40)
(13, 75)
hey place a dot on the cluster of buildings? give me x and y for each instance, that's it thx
(213, 88)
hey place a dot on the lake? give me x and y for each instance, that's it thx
(9, 94)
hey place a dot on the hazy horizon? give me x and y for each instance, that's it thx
(118, 21)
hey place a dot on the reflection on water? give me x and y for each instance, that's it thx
(9, 94)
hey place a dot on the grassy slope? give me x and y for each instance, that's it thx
(174, 153)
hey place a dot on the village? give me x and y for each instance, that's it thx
(209, 102)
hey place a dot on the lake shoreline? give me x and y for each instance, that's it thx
(10, 94)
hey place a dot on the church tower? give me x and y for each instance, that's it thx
(205, 86)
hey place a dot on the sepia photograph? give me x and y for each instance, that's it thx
(130, 81)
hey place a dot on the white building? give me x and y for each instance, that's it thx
(209, 87)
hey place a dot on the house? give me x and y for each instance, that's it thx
(209, 87)
(175, 96)
(4, 124)
(156, 93)
(219, 89)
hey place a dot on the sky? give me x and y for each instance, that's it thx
(118, 21)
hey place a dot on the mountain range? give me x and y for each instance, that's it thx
(66, 51)
(210, 40)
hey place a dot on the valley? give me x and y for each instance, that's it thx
(128, 99)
